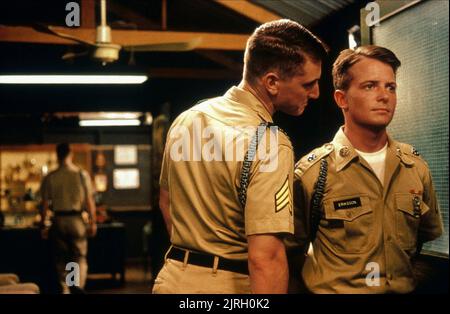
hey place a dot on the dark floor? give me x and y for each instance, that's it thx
(138, 280)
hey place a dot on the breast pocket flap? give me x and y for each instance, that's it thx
(405, 203)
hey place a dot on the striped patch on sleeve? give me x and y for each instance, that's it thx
(283, 197)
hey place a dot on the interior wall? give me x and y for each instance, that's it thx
(419, 36)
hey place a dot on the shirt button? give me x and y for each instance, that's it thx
(349, 214)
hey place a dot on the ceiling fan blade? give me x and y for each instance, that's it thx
(72, 55)
(176, 46)
(47, 29)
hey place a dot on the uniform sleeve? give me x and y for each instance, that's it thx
(431, 226)
(301, 213)
(164, 176)
(269, 195)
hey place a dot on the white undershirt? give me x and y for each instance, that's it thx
(376, 161)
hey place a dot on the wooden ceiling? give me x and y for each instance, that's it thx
(178, 78)
(223, 26)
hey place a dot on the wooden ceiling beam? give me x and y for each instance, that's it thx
(250, 10)
(213, 41)
(88, 14)
(24, 34)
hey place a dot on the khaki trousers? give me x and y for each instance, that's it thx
(178, 278)
(69, 242)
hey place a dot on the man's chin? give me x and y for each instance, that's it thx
(378, 126)
(295, 112)
(301, 111)
(298, 112)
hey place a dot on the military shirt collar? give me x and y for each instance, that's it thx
(345, 152)
(399, 153)
(248, 99)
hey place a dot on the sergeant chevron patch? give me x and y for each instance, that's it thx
(283, 197)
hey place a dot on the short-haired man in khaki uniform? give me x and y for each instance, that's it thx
(366, 201)
(66, 191)
(227, 235)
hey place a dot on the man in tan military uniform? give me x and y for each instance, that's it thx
(365, 200)
(226, 230)
(66, 191)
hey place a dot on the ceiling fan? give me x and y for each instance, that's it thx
(106, 51)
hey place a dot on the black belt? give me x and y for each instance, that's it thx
(207, 260)
(60, 213)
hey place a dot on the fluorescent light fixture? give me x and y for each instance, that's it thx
(110, 118)
(72, 79)
(111, 122)
(109, 115)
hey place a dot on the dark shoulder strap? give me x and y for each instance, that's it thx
(247, 163)
(317, 197)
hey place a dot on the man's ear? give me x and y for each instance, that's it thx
(341, 99)
(271, 81)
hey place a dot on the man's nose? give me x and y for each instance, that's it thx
(383, 95)
(315, 92)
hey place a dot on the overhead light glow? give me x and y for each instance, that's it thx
(111, 122)
(354, 37)
(352, 44)
(109, 115)
(72, 79)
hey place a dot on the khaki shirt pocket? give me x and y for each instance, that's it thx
(406, 221)
(348, 229)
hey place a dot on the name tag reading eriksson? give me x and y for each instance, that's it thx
(346, 204)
